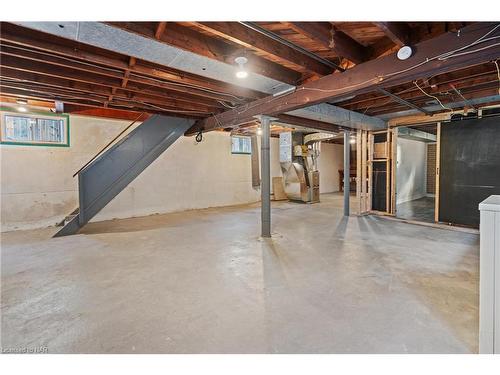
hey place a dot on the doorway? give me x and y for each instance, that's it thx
(416, 173)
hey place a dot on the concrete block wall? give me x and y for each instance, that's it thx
(38, 190)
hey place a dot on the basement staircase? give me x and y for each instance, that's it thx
(112, 169)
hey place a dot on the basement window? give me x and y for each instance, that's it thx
(241, 145)
(34, 129)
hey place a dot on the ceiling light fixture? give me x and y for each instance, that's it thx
(21, 109)
(259, 131)
(241, 61)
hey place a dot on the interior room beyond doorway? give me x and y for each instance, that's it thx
(416, 173)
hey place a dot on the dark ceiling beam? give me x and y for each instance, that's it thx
(58, 46)
(246, 37)
(333, 39)
(380, 73)
(190, 40)
(398, 32)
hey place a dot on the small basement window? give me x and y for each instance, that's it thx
(241, 145)
(34, 129)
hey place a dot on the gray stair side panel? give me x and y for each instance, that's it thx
(72, 227)
(108, 175)
(112, 171)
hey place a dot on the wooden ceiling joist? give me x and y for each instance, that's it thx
(50, 67)
(60, 47)
(435, 86)
(152, 96)
(160, 29)
(248, 38)
(398, 32)
(379, 73)
(189, 40)
(104, 96)
(331, 38)
(94, 102)
(32, 62)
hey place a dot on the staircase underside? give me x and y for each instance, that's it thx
(112, 171)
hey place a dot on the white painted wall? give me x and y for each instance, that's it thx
(330, 161)
(411, 170)
(38, 190)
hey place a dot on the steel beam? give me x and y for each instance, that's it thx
(339, 116)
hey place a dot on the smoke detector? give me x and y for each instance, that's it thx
(404, 52)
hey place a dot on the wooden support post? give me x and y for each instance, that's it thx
(364, 152)
(370, 171)
(347, 172)
(394, 161)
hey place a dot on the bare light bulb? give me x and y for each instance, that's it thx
(259, 131)
(241, 61)
(242, 74)
(352, 141)
(21, 109)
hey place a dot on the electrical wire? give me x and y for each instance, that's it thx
(432, 96)
(167, 109)
(114, 70)
(226, 105)
(498, 74)
(191, 86)
(462, 97)
(97, 98)
(64, 58)
(443, 56)
(473, 51)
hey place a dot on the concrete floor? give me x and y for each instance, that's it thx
(204, 282)
(421, 209)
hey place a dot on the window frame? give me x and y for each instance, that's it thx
(241, 152)
(6, 111)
